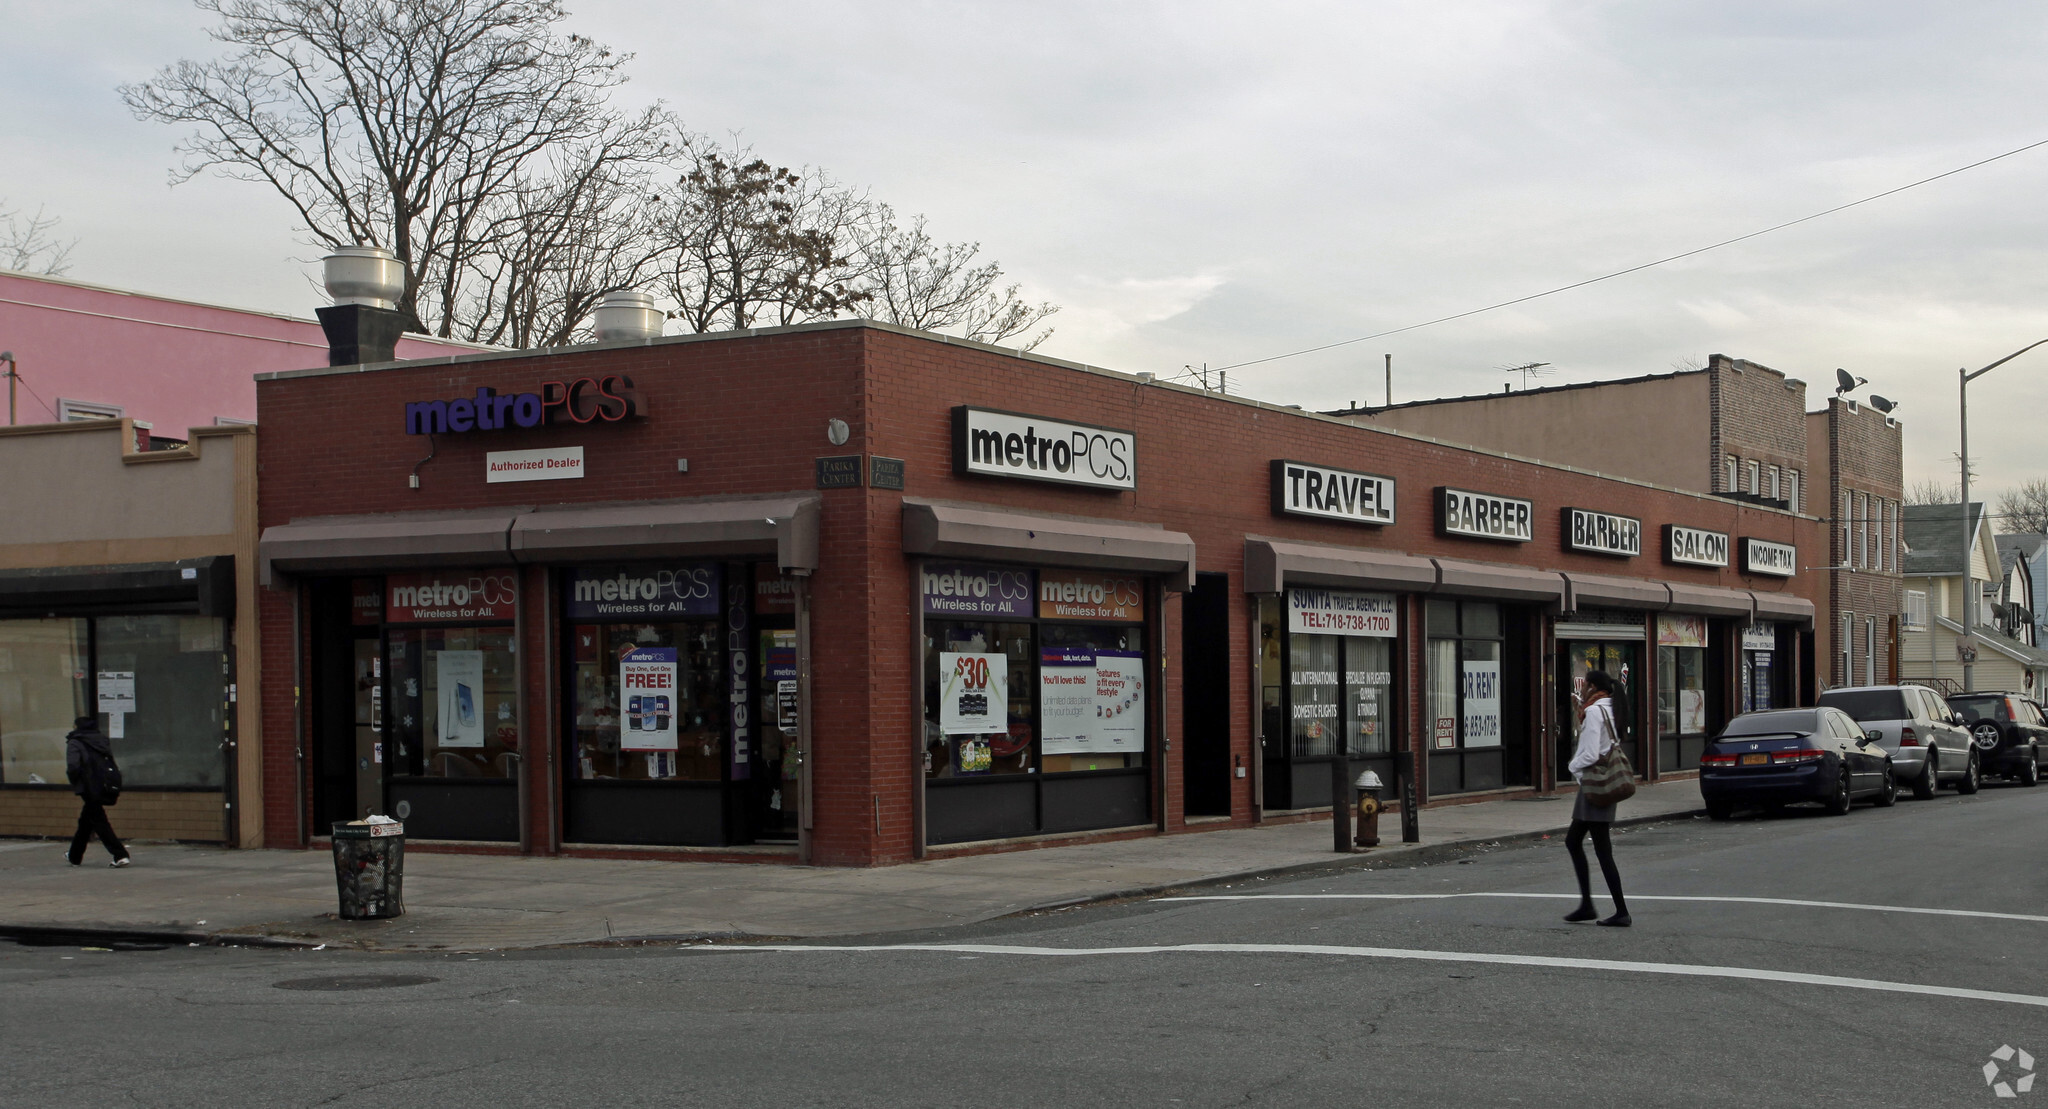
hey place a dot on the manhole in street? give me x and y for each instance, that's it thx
(340, 982)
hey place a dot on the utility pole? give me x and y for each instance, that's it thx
(13, 377)
(1390, 381)
(1970, 531)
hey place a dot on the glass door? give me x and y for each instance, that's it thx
(369, 728)
(1622, 661)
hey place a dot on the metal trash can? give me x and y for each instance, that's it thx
(369, 868)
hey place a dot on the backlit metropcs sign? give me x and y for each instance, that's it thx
(1325, 492)
(988, 443)
(1602, 533)
(1695, 546)
(1484, 516)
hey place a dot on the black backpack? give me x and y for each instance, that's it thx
(102, 779)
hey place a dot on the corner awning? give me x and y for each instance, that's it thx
(1600, 591)
(990, 532)
(1783, 608)
(1486, 579)
(785, 527)
(350, 544)
(203, 586)
(1271, 564)
(1711, 601)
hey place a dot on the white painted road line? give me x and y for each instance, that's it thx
(1632, 897)
(1689, 970)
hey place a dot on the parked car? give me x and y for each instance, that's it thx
(1926, 738)
(2008, 731)
(1782, 756)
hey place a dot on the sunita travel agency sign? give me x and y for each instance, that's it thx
(1762, 556)
(1695, 546)
(1484, 516)
(1602, 533)
(987, 443)
(1325, 492)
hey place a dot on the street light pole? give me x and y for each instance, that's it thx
(1969, 530)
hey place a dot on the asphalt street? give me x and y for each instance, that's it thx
(1773, 961)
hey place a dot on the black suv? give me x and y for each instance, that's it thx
(2008, 731)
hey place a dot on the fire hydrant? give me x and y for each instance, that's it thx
(1369, 809)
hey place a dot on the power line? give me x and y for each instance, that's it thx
(1640, 268)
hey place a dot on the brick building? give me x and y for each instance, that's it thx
(1858, 449)
(853, 594)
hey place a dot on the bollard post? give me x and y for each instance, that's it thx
(1340, 803)
(1411, 817)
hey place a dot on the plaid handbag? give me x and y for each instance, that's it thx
(1610, 780)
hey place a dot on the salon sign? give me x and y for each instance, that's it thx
(1695, 546)
(1341, 612)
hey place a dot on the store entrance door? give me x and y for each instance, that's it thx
(1622, 660)
(1205, 697)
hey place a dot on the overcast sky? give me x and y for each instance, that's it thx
(1201, 182)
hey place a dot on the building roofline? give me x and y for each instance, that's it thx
(1372, 410)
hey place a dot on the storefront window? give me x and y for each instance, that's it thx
(43, 690)
(1758, 663)
(1681, 675)
(1369, 695)
(455, 695)
(171, 731)
(1312, 670)
(1462, 690)
(978, 698)
(647, 701)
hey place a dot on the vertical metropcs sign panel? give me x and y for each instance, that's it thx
(1470, 515)
(1695, 546)
(1327, 493)
(987, 443)
(1602, 533)
(1763, 556)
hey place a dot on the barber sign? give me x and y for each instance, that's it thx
(1602, 533)
(1470, 515)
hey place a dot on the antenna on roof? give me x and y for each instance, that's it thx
(1846, 381)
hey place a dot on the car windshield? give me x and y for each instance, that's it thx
(1801, 722)
(1977, 708)
(1868, 704)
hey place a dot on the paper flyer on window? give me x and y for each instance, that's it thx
(1482, 703)
(974, 693)
(459, 682)
(1066, 700)
(647, 694)
(1119, 702)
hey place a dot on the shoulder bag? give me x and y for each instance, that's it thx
(1610, 780)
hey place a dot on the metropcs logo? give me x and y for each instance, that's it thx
(689, 583)
(610, 398)
(1003, 585)
(1005, 444)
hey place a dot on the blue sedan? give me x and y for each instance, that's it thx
(1784, 756)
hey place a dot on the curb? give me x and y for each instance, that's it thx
(62, 935)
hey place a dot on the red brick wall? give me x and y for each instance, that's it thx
(1864, 456)
(1758, 413)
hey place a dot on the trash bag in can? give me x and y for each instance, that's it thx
(369, 868)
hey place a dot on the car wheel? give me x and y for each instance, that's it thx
(1888, 793)
(1929, 779)
(1719, 810)
(1840, 803)
(2030, 770)
(1985, 736)
(1973, 776)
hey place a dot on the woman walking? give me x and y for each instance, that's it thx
(1597, 733)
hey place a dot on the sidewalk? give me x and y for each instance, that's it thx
(477, 903)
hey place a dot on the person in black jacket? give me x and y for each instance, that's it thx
(84, 750)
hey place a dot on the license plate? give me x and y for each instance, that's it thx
(1755, 760)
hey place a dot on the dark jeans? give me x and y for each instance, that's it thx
(92, 820)
(1574, 842)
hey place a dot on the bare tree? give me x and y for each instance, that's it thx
(412, 124)
(915, 281)
(1932, 491)
(26, 245)
(2024, 509)
(748, 243)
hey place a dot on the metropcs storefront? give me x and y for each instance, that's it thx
(823, 594)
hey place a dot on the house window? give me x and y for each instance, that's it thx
(1861, 515)
(1870, 650)
(1848, 505)
(1777, 484)
(1792, 490)
(1848, 648)
(1749, 472)
(1915, 615)
(1728, 465)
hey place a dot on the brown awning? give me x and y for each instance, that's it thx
(343, 544)
(1783, 607)
(785, 527)
(1711, 601)
(1600, 591)
(1485, 579)
(991, 532)
(1270, 565)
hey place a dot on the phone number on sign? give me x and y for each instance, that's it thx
(1348, 621)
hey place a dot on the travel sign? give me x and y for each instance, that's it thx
(987, 443)
(1328, 493)
(1484, 516)
(607, 399)
(1602, 533)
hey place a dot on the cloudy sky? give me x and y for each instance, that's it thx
(1201, 182)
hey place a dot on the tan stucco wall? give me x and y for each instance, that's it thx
(84, 496)
(1656, 430)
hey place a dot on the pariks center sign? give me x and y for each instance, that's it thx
(988, 443)
(1602, 533)
(1325, 492)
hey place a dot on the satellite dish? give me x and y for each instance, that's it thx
(1882, 405)
(1845, 381)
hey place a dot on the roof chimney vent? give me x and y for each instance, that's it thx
(363, 324)
(364, 275)
(627, 314)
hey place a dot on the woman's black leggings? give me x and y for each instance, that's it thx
(1574, 842)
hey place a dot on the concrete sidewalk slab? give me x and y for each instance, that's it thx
(484, 902)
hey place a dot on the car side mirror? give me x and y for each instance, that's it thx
(1872, 737)
(1956, 718)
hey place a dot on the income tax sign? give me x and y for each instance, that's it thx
(1341, 612)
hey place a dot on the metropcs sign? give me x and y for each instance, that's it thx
(609, 399)
(988, 443)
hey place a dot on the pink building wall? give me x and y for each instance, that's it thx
(173, 364)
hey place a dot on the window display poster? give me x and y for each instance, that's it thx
(459, 684)
(117, 691)
(1482, 703)
(1066, 699)
(1681, 631)
(974, 693)
(647, 690)
(1692, 711)
(1119, 702)
(1341, 612)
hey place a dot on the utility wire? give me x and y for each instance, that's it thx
(1638, 269)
